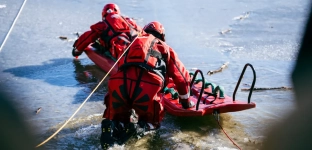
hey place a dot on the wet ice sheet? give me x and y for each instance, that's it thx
(38, 66)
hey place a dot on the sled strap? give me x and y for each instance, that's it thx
(152, 52)
(125, 84)
(137, 84)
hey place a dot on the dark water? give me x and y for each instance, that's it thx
(38, 68)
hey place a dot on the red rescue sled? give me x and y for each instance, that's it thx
(212, 99)
(102, 61)
(208, 100)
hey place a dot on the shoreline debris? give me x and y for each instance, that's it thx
(63, 37)
(77, 34)
(225, 31)
(38, 110)
(68, 39)
(268, 88)
(241, 17)
(219, 70)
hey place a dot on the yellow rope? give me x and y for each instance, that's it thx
(87, 97)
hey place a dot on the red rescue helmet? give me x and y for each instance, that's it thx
(155, 28)
(109, 8)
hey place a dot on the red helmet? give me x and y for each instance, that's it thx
(109, 8)
(156, 29)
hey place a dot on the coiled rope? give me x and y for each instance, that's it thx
(7, 36)
(88, 96)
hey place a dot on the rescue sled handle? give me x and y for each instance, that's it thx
(203, 86)
(240, 78)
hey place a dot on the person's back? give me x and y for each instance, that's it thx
(143, 73)
(136, 86)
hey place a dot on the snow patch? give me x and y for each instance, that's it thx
(2, 6)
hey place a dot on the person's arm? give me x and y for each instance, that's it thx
(179, 75)
(181, 79)
(89, 36)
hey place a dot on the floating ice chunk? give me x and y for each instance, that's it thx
(246, 140)
(2, 6)
(193, 69)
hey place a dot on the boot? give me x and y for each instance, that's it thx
(130, 129)
(107, 138)
(145, 127)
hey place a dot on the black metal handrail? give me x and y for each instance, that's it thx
(240, 78)
(203, 86)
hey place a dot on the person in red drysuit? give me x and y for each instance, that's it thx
(115, 33)
(139, 82)
(112, 34)
(175, 68)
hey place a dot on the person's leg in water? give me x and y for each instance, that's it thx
(143, 99)
(146, 109)
(115, 114)
(117, 111)
(107, 138)
(146, 99)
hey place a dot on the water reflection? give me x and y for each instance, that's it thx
(89, 76)
(66, 72)
(54, 72)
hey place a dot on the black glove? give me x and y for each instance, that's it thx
(75, 52)
(186, 103)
